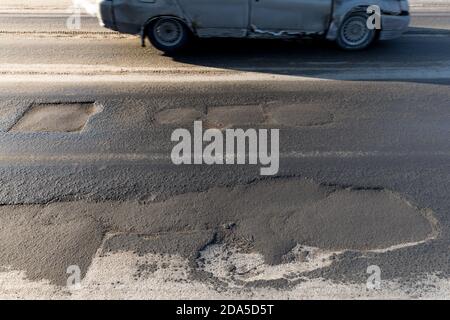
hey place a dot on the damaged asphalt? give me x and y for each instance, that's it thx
(111, 187)
(273, 216)
(364, 170)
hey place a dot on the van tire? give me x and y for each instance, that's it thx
(353, 33)
(169, 34)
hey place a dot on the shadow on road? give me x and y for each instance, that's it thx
(420, 49)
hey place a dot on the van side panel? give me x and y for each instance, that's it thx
(305, 16)
(217, 18)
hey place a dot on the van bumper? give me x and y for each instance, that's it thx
(107, 18)
(393, 26)
(106, 14)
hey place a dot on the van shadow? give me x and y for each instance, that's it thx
(323, 59)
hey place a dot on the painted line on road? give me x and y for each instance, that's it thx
(64, 32)
(42, 14)
(158, 157)
(437, 33)
(312, 71)
(103, 69)
(338, 75)
(87, 73)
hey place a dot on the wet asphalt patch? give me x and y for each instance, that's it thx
(272, 217)
(56, 117)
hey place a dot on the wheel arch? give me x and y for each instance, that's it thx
(153, 19)
(343, 8)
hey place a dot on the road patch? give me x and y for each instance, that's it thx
(270, 218)
(273, 115)
(45, 240)
(298, 115)
(234, 116)
(57, 117)
(178, 116)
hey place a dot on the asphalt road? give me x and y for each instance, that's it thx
(363, 134)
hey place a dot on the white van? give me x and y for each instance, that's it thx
(169, 24)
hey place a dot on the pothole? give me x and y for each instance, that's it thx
(56, 117)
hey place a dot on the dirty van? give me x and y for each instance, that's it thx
(170, 24)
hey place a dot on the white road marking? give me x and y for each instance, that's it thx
(314, 71)
(165, 157)
(239, 77)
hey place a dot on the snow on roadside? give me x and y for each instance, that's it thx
(125, 275)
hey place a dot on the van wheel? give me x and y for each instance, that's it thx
(168, 34)
(354, 34)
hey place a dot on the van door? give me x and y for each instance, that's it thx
(225, 18)
(291, 15)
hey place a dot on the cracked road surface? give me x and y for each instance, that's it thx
(87, 181)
